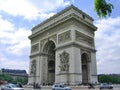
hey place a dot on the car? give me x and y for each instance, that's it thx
(105, 86)
(10, 87)
(60, 87)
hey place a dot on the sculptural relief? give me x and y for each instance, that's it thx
(33, 67)
(64, 61)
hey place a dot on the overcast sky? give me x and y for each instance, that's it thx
(17, 17)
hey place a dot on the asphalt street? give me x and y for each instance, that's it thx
(73, 88)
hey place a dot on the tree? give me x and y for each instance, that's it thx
(10, 79)
(102, 8)
(115, 79)
(104, 78)
(6, 77)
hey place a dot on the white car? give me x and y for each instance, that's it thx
(60, 87)
(105, 86)
(10, 87)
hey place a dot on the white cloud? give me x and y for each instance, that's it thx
(19, 7)
(19, 42)
(108, 45)
(4, 23)
(16, 39)
(44, 15)
(14, 43)
(13, 64)
(31, 9)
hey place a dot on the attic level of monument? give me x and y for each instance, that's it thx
(62, 16)
(63, 49)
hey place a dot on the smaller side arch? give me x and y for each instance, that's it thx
(85, 68)
(87, 54)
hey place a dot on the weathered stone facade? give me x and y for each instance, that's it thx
(63, 49)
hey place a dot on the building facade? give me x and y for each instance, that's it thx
(63, 49)
(14, 73)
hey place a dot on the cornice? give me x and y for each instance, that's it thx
(62, 12)
(70, 16)
(51, 26)
(75, 44)
(68, 73)
(39, 54)
(85, 22)
(64, 15)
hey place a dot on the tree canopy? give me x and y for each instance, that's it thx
(103, 8)
(115, 79)
(10, 79)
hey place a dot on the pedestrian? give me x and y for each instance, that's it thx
(91, 86)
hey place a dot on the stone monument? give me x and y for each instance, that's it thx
(63, 49)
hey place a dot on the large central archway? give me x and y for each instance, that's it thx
(50, 50)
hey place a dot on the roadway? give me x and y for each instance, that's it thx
(73, 88)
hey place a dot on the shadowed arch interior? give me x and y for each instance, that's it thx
(84, 62)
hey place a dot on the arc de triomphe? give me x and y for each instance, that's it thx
(63, 49)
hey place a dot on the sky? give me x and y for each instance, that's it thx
(18, 17)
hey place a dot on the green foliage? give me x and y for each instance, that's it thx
(21, 80)
(25, 80)
(8, 78)
(102, 8)
(109, 79)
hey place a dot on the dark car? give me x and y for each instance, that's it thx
(10, 87)
(105, 86)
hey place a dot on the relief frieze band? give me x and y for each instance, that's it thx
(35, 48)
(66, 36)
(84, 38)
